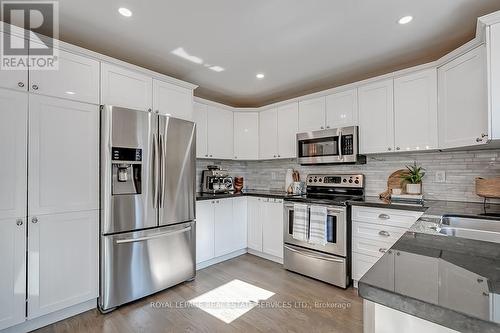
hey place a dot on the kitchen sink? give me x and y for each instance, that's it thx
(472, 228)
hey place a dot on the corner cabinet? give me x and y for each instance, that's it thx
(125, 88)
(376, 117)
(246, 135)
(463, 100)
(172, 100)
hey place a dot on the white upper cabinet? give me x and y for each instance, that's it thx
(200, 117)
(13, 149)
(125, 88)
(268, 134)
(63, 156)
(288, 126)
(376, 117)
(220, 133)
(246, 135)
(415, 111)
(14, 79)
(204, 231)
(494, 80)
(463, 100)
(62, 261)
(172, 100)
(342, 109)
(13, 272)
(312, 114)
(76, 78)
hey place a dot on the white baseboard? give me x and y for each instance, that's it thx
(217, 260)
(266, 256)
(51, 318)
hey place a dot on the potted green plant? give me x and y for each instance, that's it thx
(413, 179)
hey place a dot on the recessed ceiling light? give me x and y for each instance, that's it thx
(217, 68)
(405, 19)
(260, 76)
(70, 92)
(125, 11)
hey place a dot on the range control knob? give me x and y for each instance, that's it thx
(350, 180)
(356, 181)
(320, 180)
(315, 180)
(345, 180)
(310, 180)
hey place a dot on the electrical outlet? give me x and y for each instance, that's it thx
(440, 177)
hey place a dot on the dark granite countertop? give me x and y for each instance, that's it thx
(451, 281)
(381, 203)
(255, 193)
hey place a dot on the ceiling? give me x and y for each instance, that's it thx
(301, 46)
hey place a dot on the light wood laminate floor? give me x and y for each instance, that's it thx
(299, 304)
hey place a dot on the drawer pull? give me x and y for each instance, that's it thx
(384, 233)
(382, 250)
(384, 217)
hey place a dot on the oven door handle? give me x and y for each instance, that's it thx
(307, 254)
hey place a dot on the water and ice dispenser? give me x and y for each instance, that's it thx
(126, 171)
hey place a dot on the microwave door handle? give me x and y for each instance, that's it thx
(340, 145)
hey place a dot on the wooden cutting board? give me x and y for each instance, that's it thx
(394, 181)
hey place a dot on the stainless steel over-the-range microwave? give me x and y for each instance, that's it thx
(338, 145)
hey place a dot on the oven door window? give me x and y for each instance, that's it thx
(319, 147)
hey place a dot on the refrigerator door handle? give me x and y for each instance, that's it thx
(145, 238)
(156, 175)
(163, 175)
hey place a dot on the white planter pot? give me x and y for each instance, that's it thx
(414, 188)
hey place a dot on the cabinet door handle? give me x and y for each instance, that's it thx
(327, 126)
(397, 148)
(20, 84)
(322, 127)
(206, 155)
(384, 233)
(19, 222)
(389, 149)
(479, 140)
(210, 155)
(279, 155)
(34, 87)
(382, 250)
(274, 156)
(384, 216)
(34, 219)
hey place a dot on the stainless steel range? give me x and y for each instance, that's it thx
(328, 261)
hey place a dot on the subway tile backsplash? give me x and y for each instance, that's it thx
(460, 167)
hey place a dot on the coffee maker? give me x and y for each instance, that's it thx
(216, 180)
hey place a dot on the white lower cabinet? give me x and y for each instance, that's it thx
(374, 231)
(223, 227)
(13, 272)
(272, 227)
(62, 261)
(204, 231)
(220, 228)
(265, 226)
(254, 239)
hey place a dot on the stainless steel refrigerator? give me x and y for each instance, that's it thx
(147, 240)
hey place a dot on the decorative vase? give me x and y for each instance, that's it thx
(414, 188)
